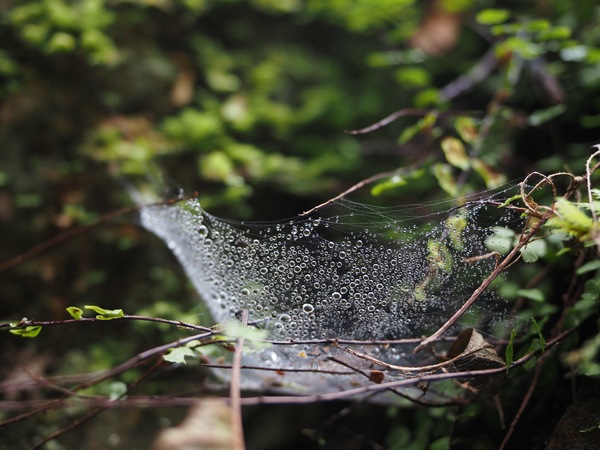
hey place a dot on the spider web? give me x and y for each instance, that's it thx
(346, 271)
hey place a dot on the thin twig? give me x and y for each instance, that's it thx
(353, 188)
(482, 287)
(237, 424)
(523, 405)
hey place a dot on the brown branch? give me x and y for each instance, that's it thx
(523, 405)
(353, 188)
(49, 323)
(482, 287)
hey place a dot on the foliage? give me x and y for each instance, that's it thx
(246, 102)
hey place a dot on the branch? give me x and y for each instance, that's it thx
(483, 286)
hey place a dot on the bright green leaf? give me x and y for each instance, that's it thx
(75, 312)
(29, 331)
(105, 314)
(492, 16)
(177, 355)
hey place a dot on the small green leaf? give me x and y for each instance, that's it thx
(455, 226)
(501, 240)
(532, 294)
(509, 354)
(455, 153)
(542, 340)
(105, 314)
(492, 16)
(75, 312)
(534, 250)
(252, 336)
(177, 355)
(29, 331)
(116, 390)
(467, 129)
(445, 179)
(595, 427)
(542, 116)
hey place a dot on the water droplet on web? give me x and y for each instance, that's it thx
(372, 274)
(308, 308)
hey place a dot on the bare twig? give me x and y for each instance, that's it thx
(483, 286)
(355, 187)
(237, 424)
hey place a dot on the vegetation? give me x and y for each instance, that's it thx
(267, 108)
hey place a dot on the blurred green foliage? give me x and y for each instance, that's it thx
(246, 102)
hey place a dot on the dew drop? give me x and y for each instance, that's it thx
(308, 308)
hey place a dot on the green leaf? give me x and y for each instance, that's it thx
(455, 226)
(116, 390)
(571, 220)
(75, 312)
(534, 250)
(455, 153)
(542, 116)
(467, 129)
(501, 240)
(509, 354)
(589, 266)
(412, 77)
(177, 355)
(532, 294)
(29, 331)
(252, 336)
(542, 340)
(492, 16)
(105, 314)
(559, 33)
(445, 179)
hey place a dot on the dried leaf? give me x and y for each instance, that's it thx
(376, 376)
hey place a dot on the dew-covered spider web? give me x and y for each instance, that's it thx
(346, 271)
